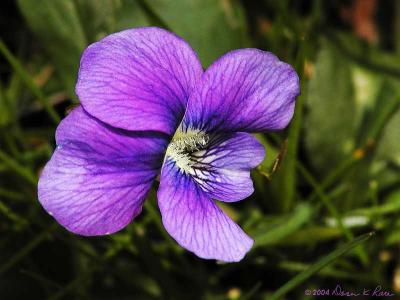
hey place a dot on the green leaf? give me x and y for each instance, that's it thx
(211, 27)
(371, 58)
(97, 17)
(57, 25)
(330, 123)
(374, 126)
(65, 28)
(389, 146)
(366, 89)
(128, 14)
(387, 102)
(320, 264)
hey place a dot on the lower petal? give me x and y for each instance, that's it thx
(195, 221)
(223, 170)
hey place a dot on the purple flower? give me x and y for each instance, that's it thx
(147, 106)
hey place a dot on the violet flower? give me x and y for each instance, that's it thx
(147, 105)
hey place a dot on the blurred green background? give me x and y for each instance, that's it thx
(332, 176)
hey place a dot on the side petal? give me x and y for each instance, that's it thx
(137, 75)
(223, 170)
(195, 221)
(98, 177)
(245, 90)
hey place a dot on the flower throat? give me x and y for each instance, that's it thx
(183, 145)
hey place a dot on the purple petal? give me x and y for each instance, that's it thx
(195, 221)
(245, 90)
(223, 170)
(98, 177)
(137, 75)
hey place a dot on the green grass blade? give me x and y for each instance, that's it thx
(74, 285)
(284, 227)
(375, 61)
(287, 172)
(327, 272)
(6, 211)
(48, 283)
(26, 249)
(153, 17)
(10, 194)
(320, 264)
(27, 79)
(17, 168)
(288, 168)
(361, 253)
(334, 175)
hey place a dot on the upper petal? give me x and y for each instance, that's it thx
(138, 79)
(98, 177)
(245, 90)
(195, 221)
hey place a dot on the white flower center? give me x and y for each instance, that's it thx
(184, 145)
